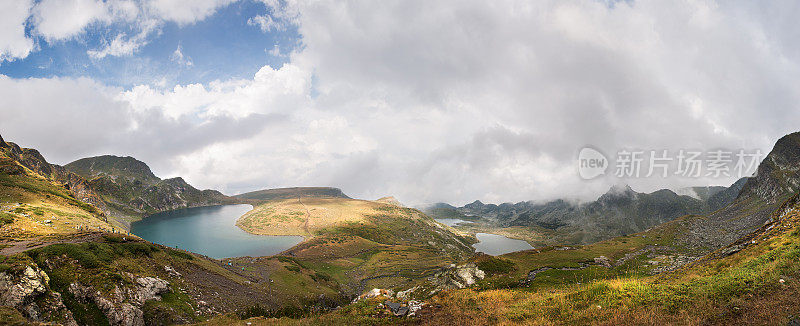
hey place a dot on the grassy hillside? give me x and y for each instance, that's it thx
(34, 205)
(361, 244)
(110, 266)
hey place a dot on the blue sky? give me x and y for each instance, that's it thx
(219, 47)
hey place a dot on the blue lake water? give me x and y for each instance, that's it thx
(490, 244)
(210, 231)
(493, 244)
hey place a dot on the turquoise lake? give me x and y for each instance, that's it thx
(491, 244)
(210, 231)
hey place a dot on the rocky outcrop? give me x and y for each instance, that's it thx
(16, 290)
(456, 277)
(26, 290)
(124, 306)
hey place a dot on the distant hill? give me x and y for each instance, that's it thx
(295, 192)
(130, 189)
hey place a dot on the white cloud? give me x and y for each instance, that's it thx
(13, 42)
(178, 57)
(265, 23)
(123, 45)
(63, 19)
(276, 51)
(185, 11)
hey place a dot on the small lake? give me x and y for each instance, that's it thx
(493, 244)
(450, 221)
(210, 231)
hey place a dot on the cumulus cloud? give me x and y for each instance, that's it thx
(59, 19)
(451, 100)
(80, 117)
(185, 11)
(14, 43)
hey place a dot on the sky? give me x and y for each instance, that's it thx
(427, 101)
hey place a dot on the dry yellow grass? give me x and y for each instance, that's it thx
(303, 216)
(37, 215)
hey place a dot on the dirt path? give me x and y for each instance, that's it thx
(11, 247)
(308, 216)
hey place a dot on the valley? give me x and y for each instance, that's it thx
(69, 255)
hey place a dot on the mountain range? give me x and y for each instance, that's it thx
(619, 211)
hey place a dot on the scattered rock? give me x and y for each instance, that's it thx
(532, 274)
(414, 306)
(603, 260)
(405, 295)
(374, 293)
(171, 271)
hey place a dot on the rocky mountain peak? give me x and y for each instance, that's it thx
(778, 173)
(475, 205)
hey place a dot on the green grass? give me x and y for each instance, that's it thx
(6, 218)
(92, 254)
(164, 312)
(492, 265)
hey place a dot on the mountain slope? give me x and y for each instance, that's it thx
(42, 199)
(779, 173)
(776, 180)
(132, 191)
